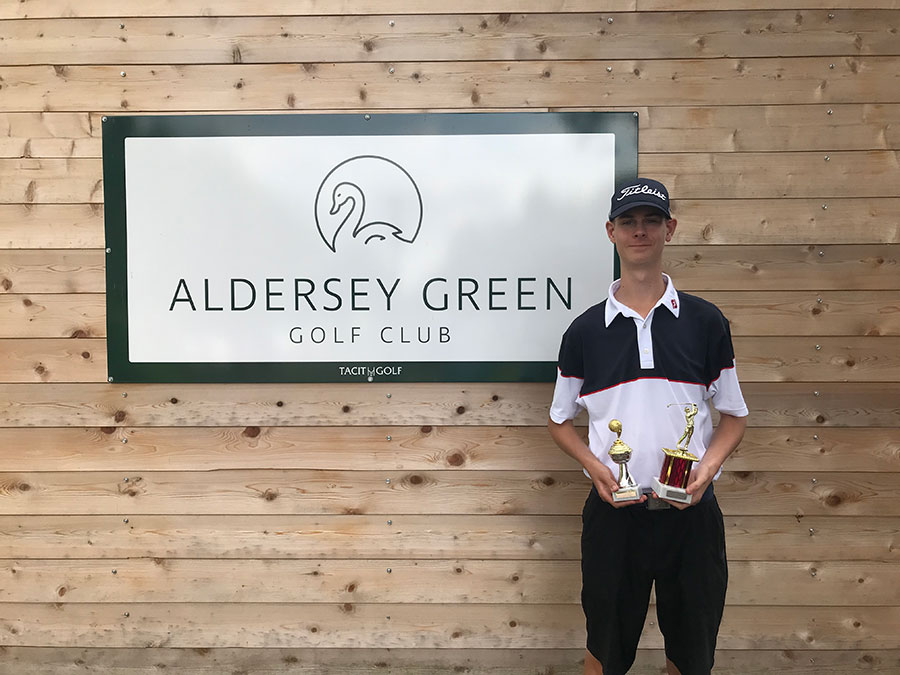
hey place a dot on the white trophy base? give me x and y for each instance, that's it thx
(673, 494)
(631, 494)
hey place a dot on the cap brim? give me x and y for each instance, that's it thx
(627, 207)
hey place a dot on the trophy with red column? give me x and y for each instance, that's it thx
(676, 468)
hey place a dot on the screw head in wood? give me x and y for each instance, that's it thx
(387, 481)
(831, 66)
(122, 73)
(829, 112)
(391, 70)
(608, 69)
(109, 379)
(815, 393)
(389, 570)
(124, 440)
(818, 347)
(609, 20)
(388, 437)
(824, 207)
(391, 23)
(124, 520)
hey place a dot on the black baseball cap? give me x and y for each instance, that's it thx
(639, 192)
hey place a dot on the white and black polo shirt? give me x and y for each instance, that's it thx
(618, 365)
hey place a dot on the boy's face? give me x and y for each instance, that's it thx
(640, 234)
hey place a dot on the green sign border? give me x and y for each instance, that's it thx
(117, 128)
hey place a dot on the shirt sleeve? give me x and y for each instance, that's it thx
(567, 401)
(724, 389)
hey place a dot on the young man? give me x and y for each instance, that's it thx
(641, 357)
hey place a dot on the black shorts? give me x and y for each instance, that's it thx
(624, 551)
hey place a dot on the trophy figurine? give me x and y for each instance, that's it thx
(676, 468)
(620, 453)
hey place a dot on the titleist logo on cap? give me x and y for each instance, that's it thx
(640, 189)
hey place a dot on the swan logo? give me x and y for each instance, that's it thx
(370, 199)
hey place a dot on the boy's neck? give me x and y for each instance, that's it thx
(641, 289)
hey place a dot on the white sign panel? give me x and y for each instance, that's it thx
(359, 250)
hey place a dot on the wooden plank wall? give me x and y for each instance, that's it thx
(434, 528)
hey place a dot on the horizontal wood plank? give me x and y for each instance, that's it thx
(874, 173)
(462, 448)
(766, 313)
(283, 492)
(776, 268)
(354, 661)
(816, 405)
(61, 226)
(761, 359)
(129, 8)
(713, 221)
(434, 662)
(662, 129)
(412, 537)
(419, 626)
(464, 85)
(716, 268)
(397, 580)
(461, 37)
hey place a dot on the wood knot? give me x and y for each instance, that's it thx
(108, 430)
(456, 459)
(495, 397)
(816, 311)
(416, 479)
(279, 404)
(833, 500)
(6, 283)
(313, 629)
(475, 97)
(426, 429)
(40, 370)
(820, 419)
(251, 432)
(345, 409)
(27, 302)
(78, 333)
(542, 46)
(515, 578)
(120, 416)
(85, 355)
(368, 45)
(548, 481)
(173, 400)
(61, 591)
(456, 634)
(503, 18)
(513, 624)
(24, 487)
(460, 410)
(416, 75)
(270, 495)
(291, 100)
(351, 588)
(347, 607)
(850, 363)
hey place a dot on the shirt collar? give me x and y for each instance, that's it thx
(669, 300)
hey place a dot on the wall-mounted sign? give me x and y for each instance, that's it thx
(452, 247)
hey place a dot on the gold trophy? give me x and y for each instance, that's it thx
(676, 468)
(620, 453)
